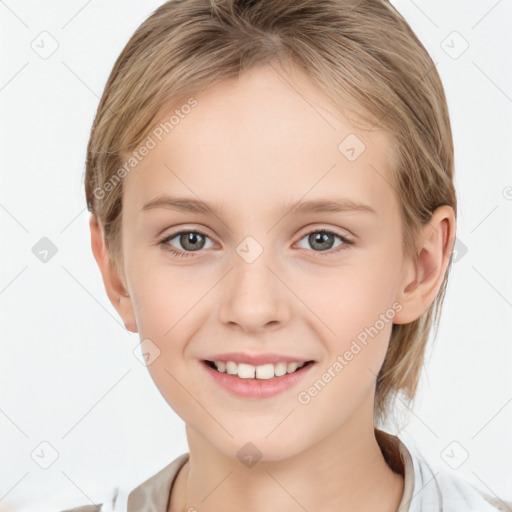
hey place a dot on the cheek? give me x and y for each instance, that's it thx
(356, 316)
(165, 298)
(167, 304)
(169, 310)
(352, 297)
(355, 308)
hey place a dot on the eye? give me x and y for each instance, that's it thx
(190, 240)
(322, 240)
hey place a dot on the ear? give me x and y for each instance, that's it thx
(113, 281)
(422, 279)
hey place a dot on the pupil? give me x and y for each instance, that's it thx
(191, 241)
(323, 239)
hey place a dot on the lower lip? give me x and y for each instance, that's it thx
(257, 388)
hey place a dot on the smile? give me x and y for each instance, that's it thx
(249, 371)
(256, 382)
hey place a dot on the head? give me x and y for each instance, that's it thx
(252, 107)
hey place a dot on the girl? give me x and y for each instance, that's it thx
(273, 211)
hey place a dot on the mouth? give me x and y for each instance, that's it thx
(261, 372)
(257, 375)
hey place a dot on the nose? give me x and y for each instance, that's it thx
(254, 296)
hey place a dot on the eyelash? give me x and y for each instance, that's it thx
(186, 254)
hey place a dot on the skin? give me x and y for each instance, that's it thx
(253, 145)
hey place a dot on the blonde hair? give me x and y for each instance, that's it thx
(362, 54)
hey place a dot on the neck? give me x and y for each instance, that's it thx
(355, 476)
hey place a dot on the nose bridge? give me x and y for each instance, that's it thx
(254, 297)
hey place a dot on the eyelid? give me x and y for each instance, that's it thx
(347, 240)
(346, 243)
(313, 228)
(174, 234)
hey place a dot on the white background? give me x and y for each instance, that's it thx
(68, 374)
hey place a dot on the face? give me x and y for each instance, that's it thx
(258, 277)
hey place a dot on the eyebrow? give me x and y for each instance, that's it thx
(298, 207)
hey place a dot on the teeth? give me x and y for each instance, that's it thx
(264, 371)
(280, 369)
(246, 371)
(291, 367)
(231, 367)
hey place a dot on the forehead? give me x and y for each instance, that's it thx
(266, 137)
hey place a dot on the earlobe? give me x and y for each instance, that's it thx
(113, 282)
(425, 276)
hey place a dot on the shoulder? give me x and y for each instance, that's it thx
(459, 493)
(454, 493)
(430, 487)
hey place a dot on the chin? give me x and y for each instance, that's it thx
(253, 448)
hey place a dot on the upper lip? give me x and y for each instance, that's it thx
(256, 359)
